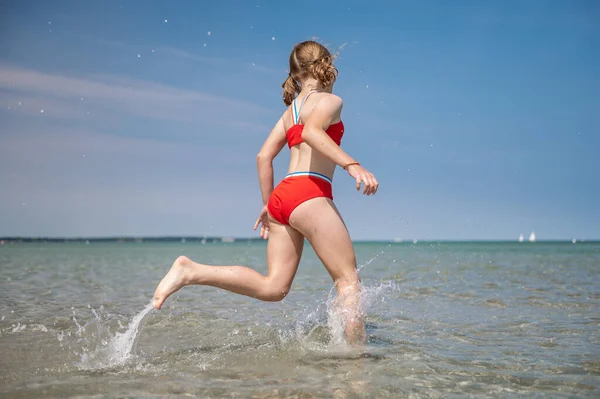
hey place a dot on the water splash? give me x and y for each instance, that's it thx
(367, 263)
(118, 350)
(321, 328)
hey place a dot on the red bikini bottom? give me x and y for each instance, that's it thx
(295, 189)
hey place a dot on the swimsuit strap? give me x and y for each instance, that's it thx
(296, 113)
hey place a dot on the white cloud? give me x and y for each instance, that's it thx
(67, 172)
(63, 181)
(114, 96)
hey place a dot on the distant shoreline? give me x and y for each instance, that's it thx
(125, 239)
(219, 239)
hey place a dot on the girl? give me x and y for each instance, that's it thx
(301, 206)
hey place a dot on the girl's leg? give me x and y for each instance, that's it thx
(320, 222)
(284, 250)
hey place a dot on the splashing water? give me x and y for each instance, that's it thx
(318, 328)
(321, 328)
(118, 350)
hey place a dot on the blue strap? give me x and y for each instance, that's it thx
(294, 112)
(297, 112)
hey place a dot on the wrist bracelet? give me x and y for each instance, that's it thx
(351, 163)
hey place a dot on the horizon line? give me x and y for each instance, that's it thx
(230, 239)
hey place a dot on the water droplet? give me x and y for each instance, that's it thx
(41, 111)
(367, 86)
(166, 20)
(273, 38)
(204, 44)
(208, 33)
(431, 145)
(49, 22)
(139, 56)
(152, 50)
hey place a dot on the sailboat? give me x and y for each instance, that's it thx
(521, 238)
(532, 237)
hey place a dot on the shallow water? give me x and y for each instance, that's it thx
(444, 320)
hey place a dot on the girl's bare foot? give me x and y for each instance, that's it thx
(176, 278)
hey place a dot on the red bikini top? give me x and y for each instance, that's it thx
(294, 133)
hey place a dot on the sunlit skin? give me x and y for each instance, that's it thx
(316, 220)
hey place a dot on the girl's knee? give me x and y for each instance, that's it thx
(274, 292)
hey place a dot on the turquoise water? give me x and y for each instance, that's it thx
(444, 320)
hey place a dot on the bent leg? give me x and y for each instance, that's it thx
(284, 250)
(320, 222)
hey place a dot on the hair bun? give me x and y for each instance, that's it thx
(324, 72)
(308, 59)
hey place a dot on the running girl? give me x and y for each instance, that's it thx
(301, 206)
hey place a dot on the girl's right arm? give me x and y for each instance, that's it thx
(264, 160)
(321, 117)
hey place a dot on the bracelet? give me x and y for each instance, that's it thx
(351, 163)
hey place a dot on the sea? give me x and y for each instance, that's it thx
(443, 320)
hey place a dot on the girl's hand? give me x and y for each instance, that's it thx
(365, 177)
(263, 219)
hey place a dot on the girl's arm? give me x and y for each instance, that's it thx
(264, 160)
(313, 134)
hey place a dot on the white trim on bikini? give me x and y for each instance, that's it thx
(313, 174)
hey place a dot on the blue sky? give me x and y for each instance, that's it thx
(481, 120)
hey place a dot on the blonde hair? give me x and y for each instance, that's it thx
(308, 59)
